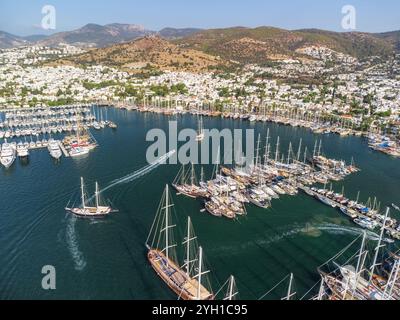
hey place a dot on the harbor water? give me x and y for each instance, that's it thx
(106, 259)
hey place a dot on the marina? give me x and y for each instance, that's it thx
(288, 116)
(295, 234)
(25, 130)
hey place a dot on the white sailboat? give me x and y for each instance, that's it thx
(84, 211)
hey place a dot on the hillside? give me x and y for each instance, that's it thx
(392, 37)
(8, 40)
(146, 53)
(173, 33)
(94, 35)
(263, 43)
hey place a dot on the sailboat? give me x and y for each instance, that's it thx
(189, 189)
(84, 211)
(200, 133)
(186, 281)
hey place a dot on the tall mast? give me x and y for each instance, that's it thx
(315, 148)
(289, 294)
(232, 292)
(167, 223)
(97, 195)
(320, 147)
(392, 279)
(378, 246)
(192, 176)
(200, 273)
(321, 289)
(360, 262)
(277, 151)
(299, 151)
(258, 150)
(82, 194)
(187, 241)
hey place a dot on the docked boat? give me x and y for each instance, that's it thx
(54, 149)
(258, 197)
(78, 151)
(92, 212)
(188, 281)
(366, 223)
(7, 155)
(22, 150)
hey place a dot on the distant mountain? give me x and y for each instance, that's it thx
(263, 43)
(94, 35)
(35, 37)
(8, 40)
(144, 55)
(392, 37)
(173, 33)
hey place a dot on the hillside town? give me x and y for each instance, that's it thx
(326, 88)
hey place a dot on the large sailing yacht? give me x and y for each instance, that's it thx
(84, 211)
(191, 189)
(186, 282)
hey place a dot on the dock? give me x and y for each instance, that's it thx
(65, 152)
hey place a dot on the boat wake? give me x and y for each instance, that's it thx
(308, 230)
(139, 173)
(73, 246)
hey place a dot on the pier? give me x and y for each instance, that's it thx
(65, 152)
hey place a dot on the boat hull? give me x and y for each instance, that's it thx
(177, 280)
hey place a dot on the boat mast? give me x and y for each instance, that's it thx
(200, 273)
(321, 289)
(187, 241)
(392, 280)
(232, 291)
(97, 195)
(82, 194)
(167, 223)
(192, 178)
(374, 264)
(299, 151)
(360, 262)
(290, 294)
(277, 151)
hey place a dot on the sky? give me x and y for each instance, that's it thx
(23, 17)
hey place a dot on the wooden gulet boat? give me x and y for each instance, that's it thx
(84, 211)
(185, 285)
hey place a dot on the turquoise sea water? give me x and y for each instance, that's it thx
(107, 259)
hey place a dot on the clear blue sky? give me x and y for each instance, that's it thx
(22, 17)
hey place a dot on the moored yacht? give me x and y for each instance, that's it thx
(54, 149)
(22, 150)
(7, 155)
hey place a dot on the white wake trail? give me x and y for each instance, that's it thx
(73, 246)
(139, 173)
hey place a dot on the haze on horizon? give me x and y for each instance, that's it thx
(372, 16)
